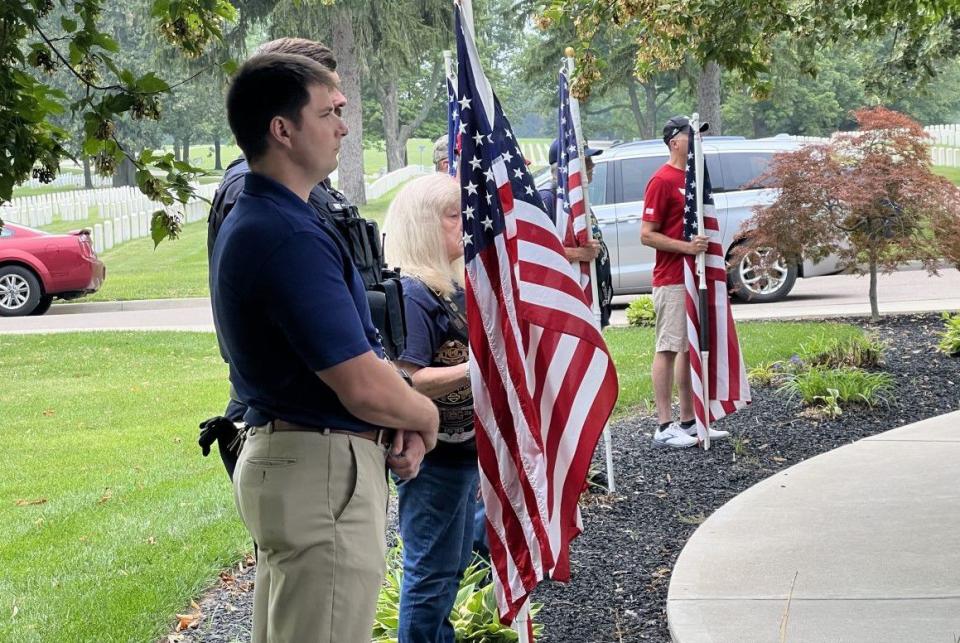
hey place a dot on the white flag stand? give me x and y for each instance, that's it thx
(578, 128)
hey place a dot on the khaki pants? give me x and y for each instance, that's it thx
(316, 506)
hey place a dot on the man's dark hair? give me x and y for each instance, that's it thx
(267, 86)
(312, 49)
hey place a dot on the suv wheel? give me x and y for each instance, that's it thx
(19, 291)
(751, 280)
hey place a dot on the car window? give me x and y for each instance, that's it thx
(635, 174)
(598, 185)
(741, 171)
(6, 232)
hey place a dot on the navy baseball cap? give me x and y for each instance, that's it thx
(678, 124)
(555, 151)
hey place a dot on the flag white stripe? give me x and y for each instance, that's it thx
(591, 382)
(533, 464)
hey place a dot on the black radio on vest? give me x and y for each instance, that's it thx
(359, 237)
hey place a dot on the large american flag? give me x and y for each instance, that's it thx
(544, 383)
(727, 385)
(572, 220)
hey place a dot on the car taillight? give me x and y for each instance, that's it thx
(86, 247)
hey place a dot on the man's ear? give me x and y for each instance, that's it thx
(279, 131)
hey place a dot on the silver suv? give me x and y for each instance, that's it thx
(616, 196)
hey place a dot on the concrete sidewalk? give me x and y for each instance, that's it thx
(858, 544)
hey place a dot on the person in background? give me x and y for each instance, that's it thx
(424, 238)
(662, 229)
(596, 249)
(440, 161)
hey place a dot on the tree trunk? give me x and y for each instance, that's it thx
(125, 174)
(87, 176)
(351, 149)
(217, 163)
(650, 108)
(708, 97)
(759, 127)
(396, 134)
(635, 108)
(186, 150)
(390, 103)
(874, 307)
(176, 150)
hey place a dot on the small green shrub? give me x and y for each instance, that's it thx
(859, 351)
(775, 373)
(640, 312)
(474, 615)
(950, 336)
(831, 387)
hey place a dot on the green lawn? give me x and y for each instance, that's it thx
(111, 519)
(952, 173)
(761, 342)
(175, 269)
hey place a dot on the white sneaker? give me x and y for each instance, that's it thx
(714, 433)
(673, 436)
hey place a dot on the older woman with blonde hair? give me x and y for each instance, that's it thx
(424, 239)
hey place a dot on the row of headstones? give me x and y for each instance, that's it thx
(948, 156)
(67, 179)
(75, 205)
(112, 232)
(944, 134)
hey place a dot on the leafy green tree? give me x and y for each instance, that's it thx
(739, 35)
(36, 38)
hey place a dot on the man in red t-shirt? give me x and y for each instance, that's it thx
(662, 229)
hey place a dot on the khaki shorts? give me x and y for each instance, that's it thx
(669, 302)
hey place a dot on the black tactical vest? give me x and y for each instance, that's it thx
(359, 239)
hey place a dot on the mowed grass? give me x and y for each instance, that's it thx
(761, 343)
(135, 270)
(952, 173)
(112, 520)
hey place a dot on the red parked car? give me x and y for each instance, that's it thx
(36, 267)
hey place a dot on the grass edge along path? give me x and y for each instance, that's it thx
(112, 520)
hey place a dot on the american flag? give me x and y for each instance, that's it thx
(728, 389)
(544, 383)
(572, 224)
(453, 125)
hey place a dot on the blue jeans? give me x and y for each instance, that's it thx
(436, 524)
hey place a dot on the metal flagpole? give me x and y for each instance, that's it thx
(702, 277)
(581, 144)
(448, 66)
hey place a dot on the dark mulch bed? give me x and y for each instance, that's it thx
(621, 564)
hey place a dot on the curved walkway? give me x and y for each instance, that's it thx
(858, 544)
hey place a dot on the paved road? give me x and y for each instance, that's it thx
(907, 291)
(840, 295)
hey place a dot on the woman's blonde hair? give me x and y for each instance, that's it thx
(413, 234)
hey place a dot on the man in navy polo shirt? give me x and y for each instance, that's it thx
(294, 326)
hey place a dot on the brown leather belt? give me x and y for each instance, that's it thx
(379, 436)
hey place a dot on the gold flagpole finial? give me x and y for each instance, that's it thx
(568, 52)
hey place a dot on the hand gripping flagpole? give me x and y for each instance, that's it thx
(581, 144)
(702, 280)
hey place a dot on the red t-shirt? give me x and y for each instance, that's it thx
(663, 202)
